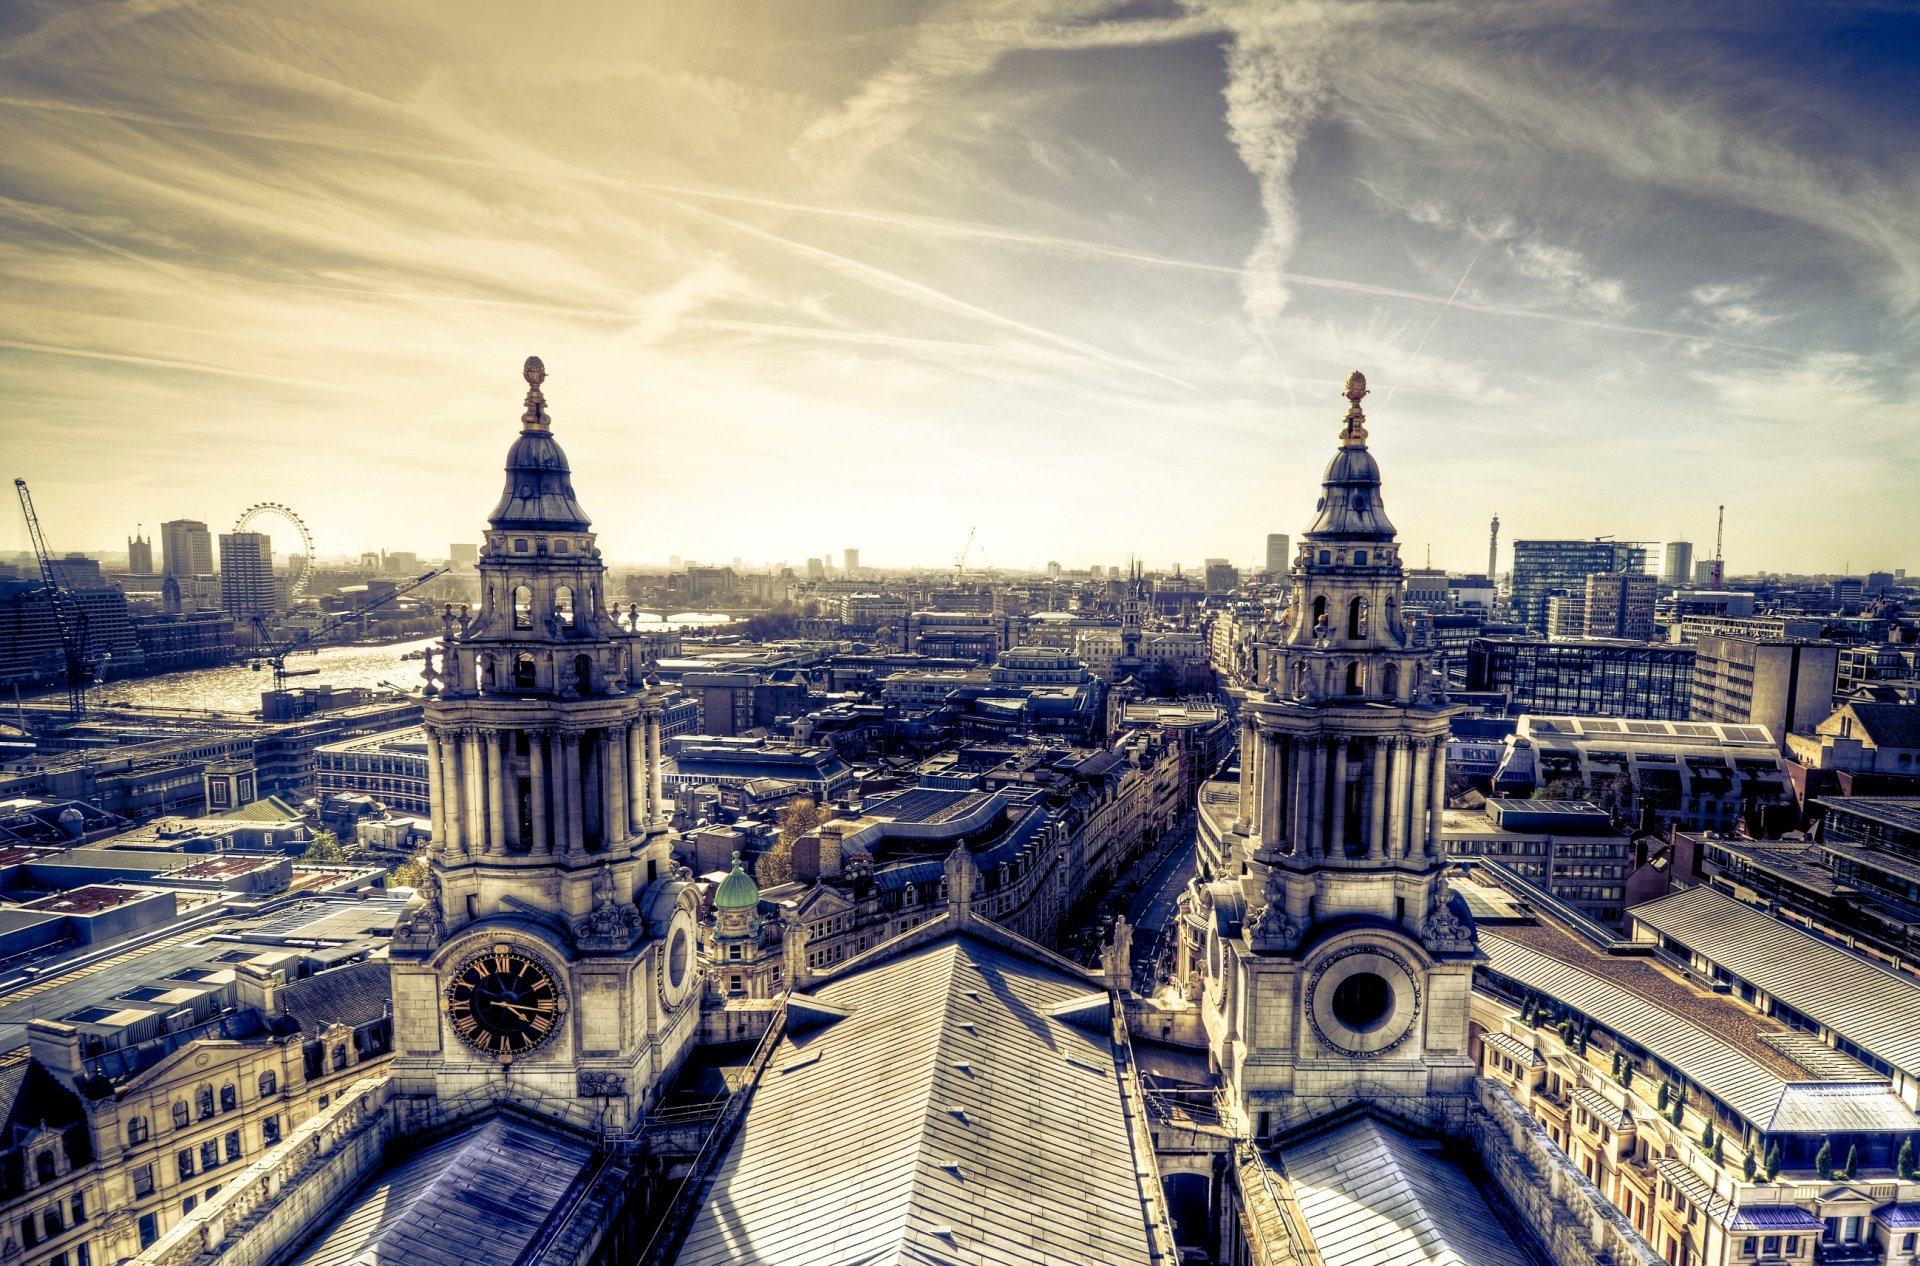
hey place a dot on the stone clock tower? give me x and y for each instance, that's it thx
(550, 961)
(1336, 967)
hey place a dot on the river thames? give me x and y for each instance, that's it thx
(235, 689)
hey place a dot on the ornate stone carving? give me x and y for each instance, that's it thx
(1445, 930)
(601, 1086)
(422, 924)
(1274, 928)
(612, 923)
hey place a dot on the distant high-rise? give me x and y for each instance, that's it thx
(1279, 552)
(816, 569)
(246, 574)
(463, 556)
(186, 548)
(77, 571)
(1620, 604)
(139, 555)
(1544, 567)
(851, 559)
(1679, 568)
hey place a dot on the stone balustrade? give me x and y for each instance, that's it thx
(1566, 1213)
(293, 1186)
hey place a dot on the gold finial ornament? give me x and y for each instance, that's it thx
(535, 372)
(1353, 434)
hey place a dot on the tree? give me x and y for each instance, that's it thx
(1616, 1065)
(1666, 1097)
(1562, 789)
(1719, 1151)
(1853, 1159)
(1823, 1160)
(796, 818)
(1749, 1166)
(1904, 1164)
(1626, 1076)
(411, 873)
(1707, 1134)
(325, 848)
(1773, 1162)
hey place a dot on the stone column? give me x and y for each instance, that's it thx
(1397, 799)
(613, 763)
(1439, 792)
(537, 775)
(1300, 796)
(1422, 773)
(636, 778)
(655, 757)
(436, 793)
(569, 793)
(1249, 759)
(1377, 811)
(1278, 804)
(476, 787)
(494, 768)
(1337, 811)
(1316, 805)
(1253, 777)
(453, 817)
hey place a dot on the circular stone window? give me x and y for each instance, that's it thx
(677, 954)
(1363, 1001)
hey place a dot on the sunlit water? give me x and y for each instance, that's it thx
(236, 688)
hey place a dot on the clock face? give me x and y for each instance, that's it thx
(504, 1003)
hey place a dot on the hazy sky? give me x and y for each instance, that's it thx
(1084, 275)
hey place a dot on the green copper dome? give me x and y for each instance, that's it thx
(737, 891)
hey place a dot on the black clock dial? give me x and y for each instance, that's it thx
(503, 1003)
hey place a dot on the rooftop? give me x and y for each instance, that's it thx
(951, 1115)
(1863, 1002)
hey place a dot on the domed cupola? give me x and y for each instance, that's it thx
(737, 891)
(539, 492)
(1350, 508)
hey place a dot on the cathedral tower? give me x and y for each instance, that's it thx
(549, 960)
(1337, 967)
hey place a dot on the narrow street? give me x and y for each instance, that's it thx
(1152, 910)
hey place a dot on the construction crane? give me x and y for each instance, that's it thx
(304, 639)
(1719, 563)
(960, 563)
(76, 672)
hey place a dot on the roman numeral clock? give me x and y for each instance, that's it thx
(504, 1003)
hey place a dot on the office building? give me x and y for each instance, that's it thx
(77, 571)
(1679, 564)
(1566, 617)
(1620, 604)
(246, 575)
(186, 548)
(1543, 567)
(139, 555)
(1645, 681)
(1783, 685)
(1279, 553)
(463, 555)
(850, 562)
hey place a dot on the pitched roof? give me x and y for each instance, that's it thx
(1371, 1195)
(479, 1197)
(1888, 724)
(950, 1116)
(1863, 1002)
(353, 995)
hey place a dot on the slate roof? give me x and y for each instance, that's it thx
(1370, 1195)
(477, 1198)
(951, 1116)
(356, 994)
(1889, 724)
(1730, 1073)
(1863, 1002)
(1515, 1049)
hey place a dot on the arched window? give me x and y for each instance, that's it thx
(136, 1130)
(229, 1097)
(1320, 614)
(43, 1165)
(203, 1098)
(339, 1057)
(1357, 618)
(563, 606)
(583, 674)
(522, 607)
(523, 673)
(1390, 681)
(1356, 679)
(269, 1084)
(181, 1114)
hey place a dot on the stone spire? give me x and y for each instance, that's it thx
(1351, 510)
(539, 492)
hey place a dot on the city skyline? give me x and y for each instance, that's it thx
(893, 278)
